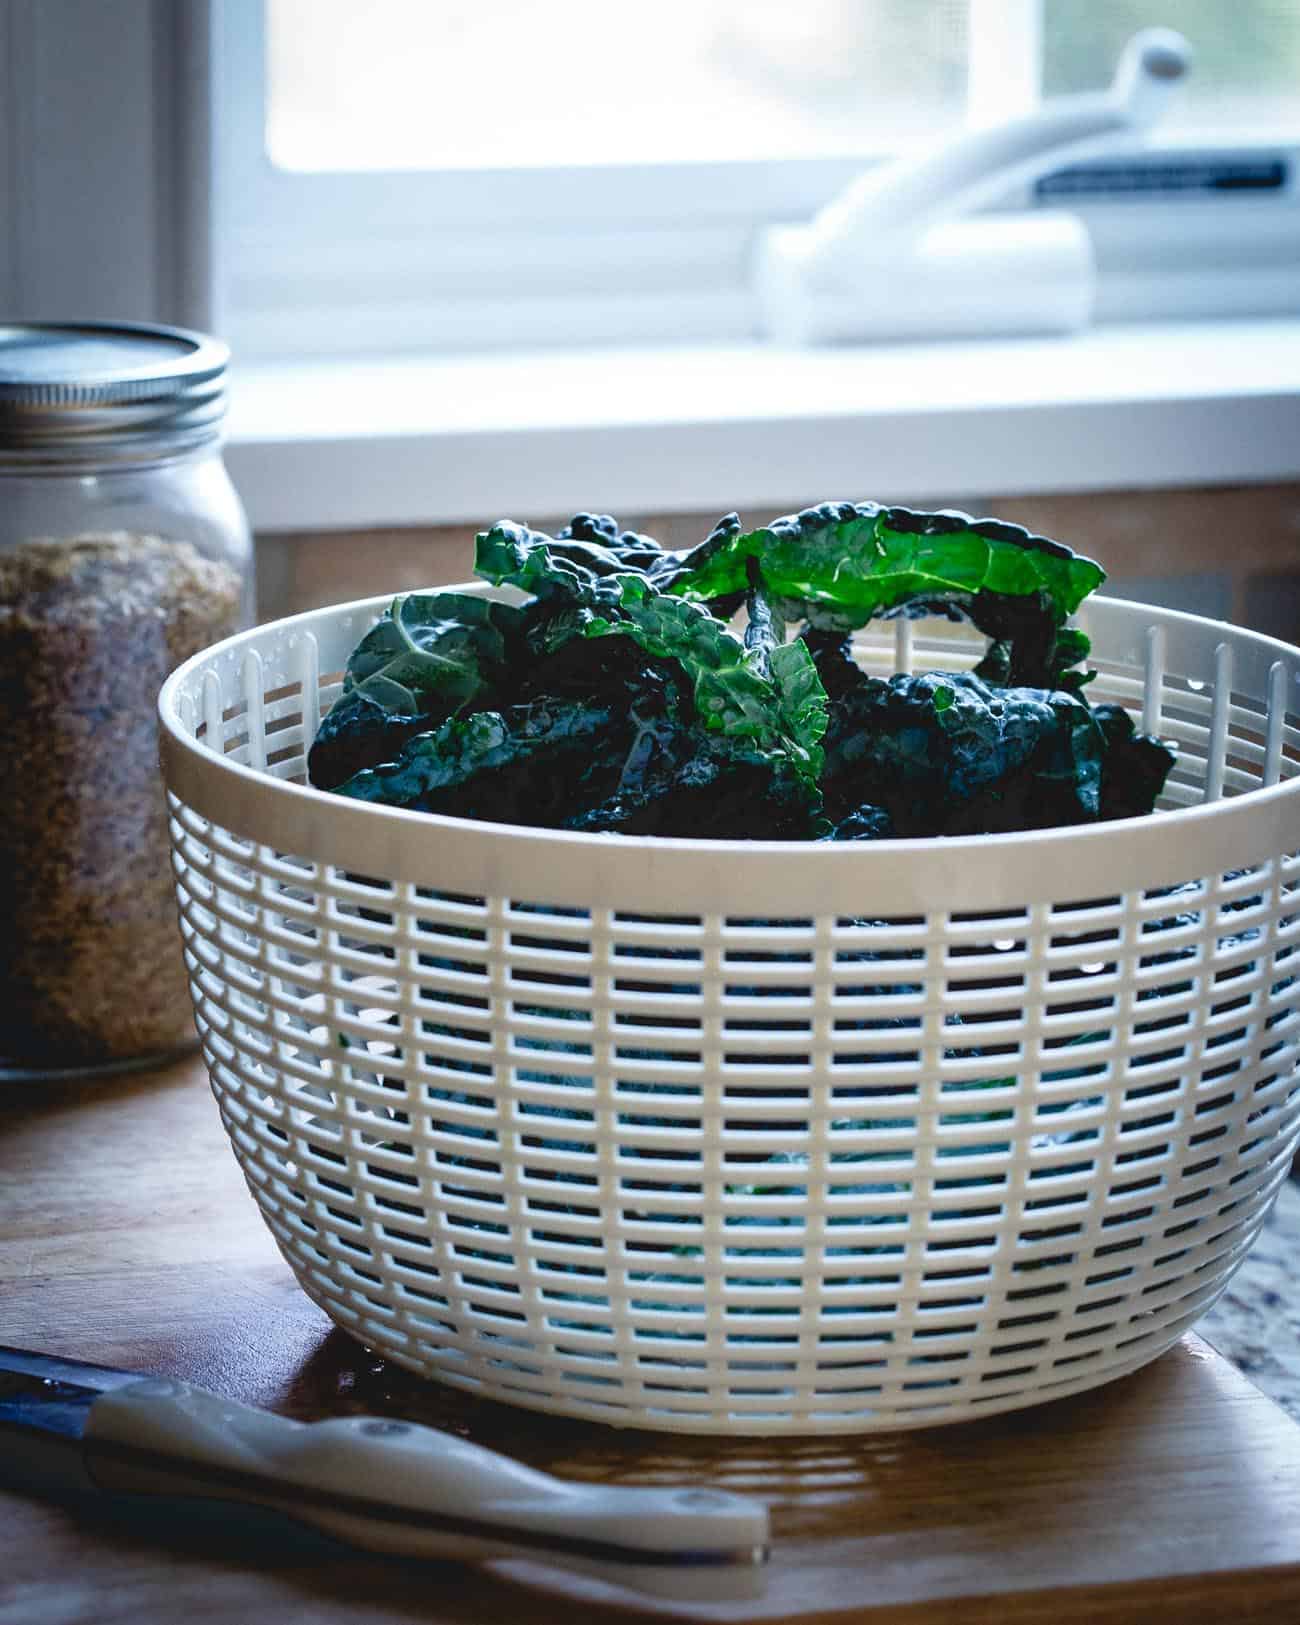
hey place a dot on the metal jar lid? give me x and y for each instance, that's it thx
(68, 387)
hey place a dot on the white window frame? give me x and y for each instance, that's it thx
(345, 263)
(645, 252)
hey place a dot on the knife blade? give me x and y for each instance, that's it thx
(378, 1483)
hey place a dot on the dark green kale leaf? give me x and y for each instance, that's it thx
(1059, 669)
(1135, 768)
(616, 671)
(513, 555)
(680, 781)
(358, 732)
(597, 540)
(430, 655)
(492, 764)
(944, 754)
(865, 823)
(839, 564)
(574, 562)
(637, 769)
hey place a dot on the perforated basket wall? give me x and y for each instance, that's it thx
(753, 1138)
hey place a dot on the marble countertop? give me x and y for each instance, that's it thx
(1256, 1323)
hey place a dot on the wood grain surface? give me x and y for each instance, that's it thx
(126, 1237)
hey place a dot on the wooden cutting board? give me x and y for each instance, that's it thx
(126, 1237)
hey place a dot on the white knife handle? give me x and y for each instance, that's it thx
(383, 1484)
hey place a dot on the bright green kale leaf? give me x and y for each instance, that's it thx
(798, 696)
(839, 564)
(846, 562)
(767, 693)
(800, 702)
(761, 693)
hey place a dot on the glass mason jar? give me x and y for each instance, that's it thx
(123, 551)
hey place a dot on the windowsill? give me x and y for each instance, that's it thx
(395, 441)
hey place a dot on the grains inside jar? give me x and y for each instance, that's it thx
(90, 626)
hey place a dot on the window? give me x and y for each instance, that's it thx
(1247, 72)
(584, 82)
(473, 336)
(481, 174)
(491, 83)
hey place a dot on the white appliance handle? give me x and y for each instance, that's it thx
(882, 211)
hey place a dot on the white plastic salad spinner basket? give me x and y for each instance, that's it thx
(753, 1137)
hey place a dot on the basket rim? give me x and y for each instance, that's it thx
(1155, 849)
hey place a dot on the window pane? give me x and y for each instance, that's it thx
(409, 84)
(1246, 68)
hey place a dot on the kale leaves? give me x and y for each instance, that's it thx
(841, 563)
(756, 691)
(943, 754)
(615, 696)
(430, 655)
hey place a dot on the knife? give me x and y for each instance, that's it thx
(377, 1483)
